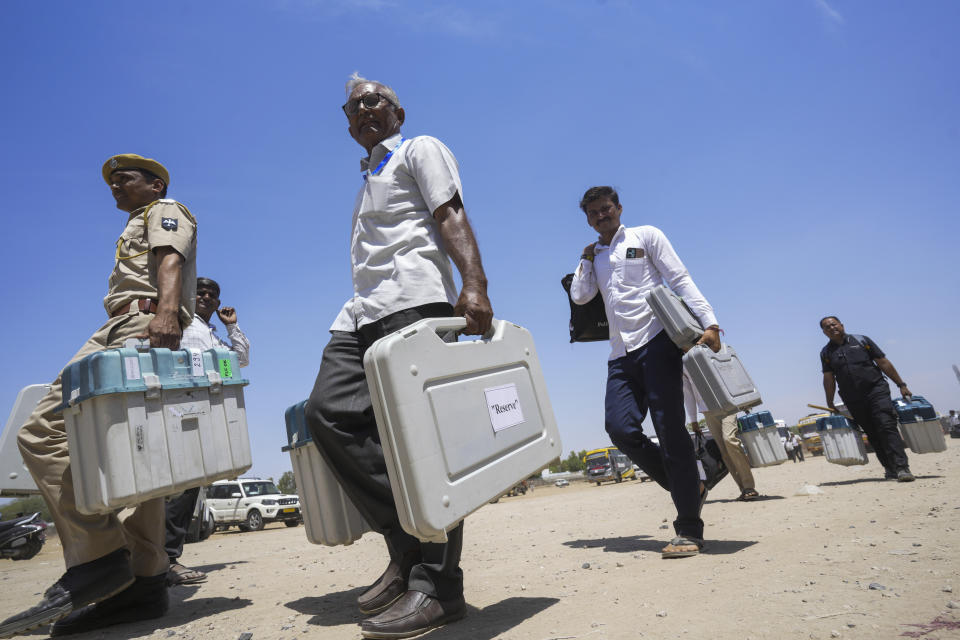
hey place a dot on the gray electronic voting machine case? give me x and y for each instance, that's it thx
(720, 378)
(673, 313)
(460, 422)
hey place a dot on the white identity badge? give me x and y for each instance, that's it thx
(196, 362)
(132, 366)
(503, 403)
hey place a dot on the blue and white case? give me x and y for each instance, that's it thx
(143, 424)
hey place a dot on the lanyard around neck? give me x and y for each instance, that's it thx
(385, 160)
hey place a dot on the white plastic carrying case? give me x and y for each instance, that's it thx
(460, 422)
(720, 378)
(145, 424)
(329, 516)
(673, 313)
(15, 478)
(919, 426)
(842, 444)
(761, 439)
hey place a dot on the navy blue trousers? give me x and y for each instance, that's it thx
(650, 378)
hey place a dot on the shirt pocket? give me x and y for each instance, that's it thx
(378, 189)
(132, 244)
(633, 270)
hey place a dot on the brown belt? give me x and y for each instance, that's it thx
(147, 305)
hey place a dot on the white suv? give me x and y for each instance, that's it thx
(250, 503)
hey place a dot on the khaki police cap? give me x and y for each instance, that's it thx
(133, 161)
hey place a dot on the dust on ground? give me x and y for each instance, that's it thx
(867, 559)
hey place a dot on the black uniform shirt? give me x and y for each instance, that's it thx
(852, 363)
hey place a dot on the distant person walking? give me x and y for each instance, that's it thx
(791, 449)
(797, 446)
(645, 368)
(725, 434)
(856, 365)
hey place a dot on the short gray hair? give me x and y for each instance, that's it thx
(357, 79)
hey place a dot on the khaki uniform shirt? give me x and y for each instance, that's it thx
(164, 223)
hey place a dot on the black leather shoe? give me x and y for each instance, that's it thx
(145, 599)
(388, 588)
(413, 614)
(904, 475)
(81, 585)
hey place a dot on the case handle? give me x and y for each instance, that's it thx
(139, 344)
(457, 324)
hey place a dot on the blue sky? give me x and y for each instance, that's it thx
(803, 157)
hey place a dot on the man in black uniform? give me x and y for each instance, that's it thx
(856, 364)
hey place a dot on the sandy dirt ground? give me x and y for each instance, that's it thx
(584, 562)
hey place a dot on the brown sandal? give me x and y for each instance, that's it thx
(748, 494)
(179, 574)
(682, 547)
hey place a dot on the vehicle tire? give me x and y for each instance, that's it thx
(254, 520)
(207, 531)
(29, 549)
(291, 523)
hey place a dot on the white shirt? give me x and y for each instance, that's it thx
(200, 335)
(624, 281)
(692, 401)
(397, 255)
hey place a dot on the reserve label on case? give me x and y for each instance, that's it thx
(503, 404)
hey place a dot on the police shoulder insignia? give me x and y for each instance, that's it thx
(633, 252)
(170, 224)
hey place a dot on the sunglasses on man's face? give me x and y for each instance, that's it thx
(369, 100)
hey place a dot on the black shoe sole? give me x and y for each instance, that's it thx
(48, 616)
(397, 635)
(127, 616)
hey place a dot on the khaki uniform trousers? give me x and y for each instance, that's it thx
(724, 432)
(43, 445)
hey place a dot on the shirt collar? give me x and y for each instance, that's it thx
(379, 151)
(618, 234)
(207, 324)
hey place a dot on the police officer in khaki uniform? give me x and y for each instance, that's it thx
(119, 563)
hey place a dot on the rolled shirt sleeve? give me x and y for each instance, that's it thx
(239, 343)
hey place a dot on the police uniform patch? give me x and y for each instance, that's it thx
(634, 253)
(170, 224)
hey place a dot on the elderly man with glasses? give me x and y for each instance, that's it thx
(408, 223)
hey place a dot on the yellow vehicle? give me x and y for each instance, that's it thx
(608, 463)
(811, 439)
(808, 433)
